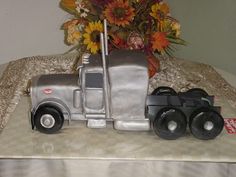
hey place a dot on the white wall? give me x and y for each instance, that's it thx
(30, 27)
(209, 27)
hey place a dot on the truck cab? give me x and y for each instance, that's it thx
(82, 96)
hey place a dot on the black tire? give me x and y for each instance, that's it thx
(167, 91)
(55, 119)
(206, 124)
(163, 120)
(198, 92)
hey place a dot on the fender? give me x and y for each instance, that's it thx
(51, 102)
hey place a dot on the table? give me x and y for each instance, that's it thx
(78, 150)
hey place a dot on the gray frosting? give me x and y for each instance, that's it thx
(177, 73)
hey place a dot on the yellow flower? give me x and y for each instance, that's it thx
(165, 25)
(73, 33)
(74, 37)
(176, 27)
(170, 25)
(160, 11)
(119, 13)
(92, 36)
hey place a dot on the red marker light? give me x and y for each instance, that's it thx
(47, 91)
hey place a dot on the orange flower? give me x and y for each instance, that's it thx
(119, 13)
(159, 41)
(72, 22)
(68, 4)
(160, 11)
(153, 65)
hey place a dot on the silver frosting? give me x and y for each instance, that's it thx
(17, 74)
(177, 73)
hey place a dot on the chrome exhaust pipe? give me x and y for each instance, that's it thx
(105, 77)
(105, 37)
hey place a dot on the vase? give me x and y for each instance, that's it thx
(136, 42)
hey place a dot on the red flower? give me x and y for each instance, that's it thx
(119, 12)
(153, 65)
(101, 3)
(135, 41)
(118, 42)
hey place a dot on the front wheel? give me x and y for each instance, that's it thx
(48, 120)
(170, 123)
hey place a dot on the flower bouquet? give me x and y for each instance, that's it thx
(132, 24)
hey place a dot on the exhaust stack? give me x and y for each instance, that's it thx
(105, 36)
(105, 77)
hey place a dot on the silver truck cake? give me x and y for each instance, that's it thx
(114, 88)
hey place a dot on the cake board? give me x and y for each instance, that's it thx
(77, 141)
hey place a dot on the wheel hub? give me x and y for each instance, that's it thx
(47, 121)
(172, 125)
(208, 125)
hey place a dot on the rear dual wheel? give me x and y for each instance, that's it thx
(197, 92)
(167, 91)
(170, 123)
(206, 124)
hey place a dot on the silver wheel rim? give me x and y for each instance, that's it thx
(47, 121)
(172, 125)
(208, 125)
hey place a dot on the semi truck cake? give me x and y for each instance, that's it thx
(114, 87)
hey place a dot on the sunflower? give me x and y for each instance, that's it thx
(92, 36)
(159, 41)
(160, 11)
(119, 13)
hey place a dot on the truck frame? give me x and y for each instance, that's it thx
(114, 88)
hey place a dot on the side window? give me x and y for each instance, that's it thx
(94, 80)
